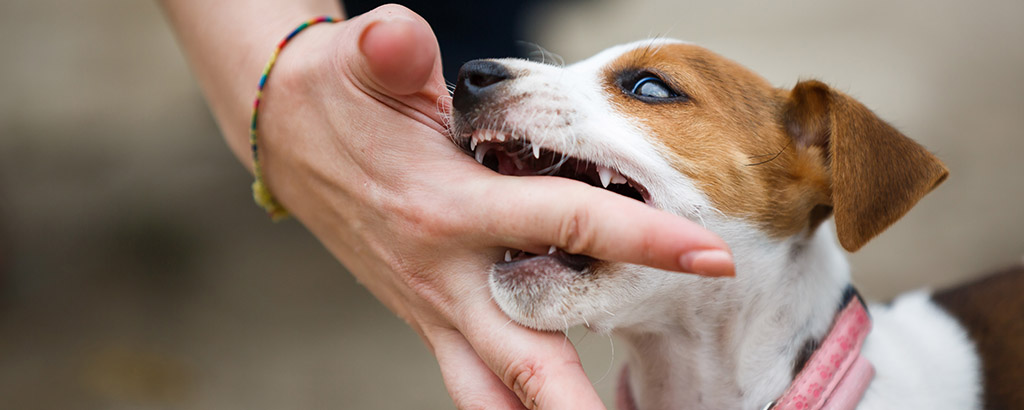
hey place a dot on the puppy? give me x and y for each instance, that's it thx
(690, 132)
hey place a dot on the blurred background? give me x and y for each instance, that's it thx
(135, 272)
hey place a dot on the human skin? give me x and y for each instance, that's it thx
(353, 145)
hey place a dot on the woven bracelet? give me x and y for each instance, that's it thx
(260, 193)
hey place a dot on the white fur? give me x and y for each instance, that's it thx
(922, 358)
(699, 343)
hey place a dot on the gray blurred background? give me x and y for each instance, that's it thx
(136, 273)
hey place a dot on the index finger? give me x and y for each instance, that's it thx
(533, 213)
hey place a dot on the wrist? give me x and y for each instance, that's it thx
(261, 193)
(228, 43)
(235, 111)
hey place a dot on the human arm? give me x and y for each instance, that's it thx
(353, 145)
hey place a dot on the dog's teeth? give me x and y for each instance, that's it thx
(481, 153)
(618, 179)
(472, 144)
(500, 136)
(508, 256)
(536, 151)
(552, 249)
(605, 174)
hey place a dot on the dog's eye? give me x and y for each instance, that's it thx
(649, 87)
(653, 87)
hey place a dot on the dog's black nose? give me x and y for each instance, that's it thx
(477, 79)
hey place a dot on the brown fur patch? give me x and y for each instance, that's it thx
(781, 159)
(992, 310)
(727, 137)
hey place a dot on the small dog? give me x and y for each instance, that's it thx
(690, 132)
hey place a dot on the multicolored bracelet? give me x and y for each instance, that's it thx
(260, 193)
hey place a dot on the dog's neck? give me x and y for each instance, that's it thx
(735, 342)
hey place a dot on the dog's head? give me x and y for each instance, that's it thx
(685, 130)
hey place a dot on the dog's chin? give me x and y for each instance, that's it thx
(538, 291)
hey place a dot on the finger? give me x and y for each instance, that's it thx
(470, 382)
(400, 50)
(391, 52)
(541, 368)
(532, 212)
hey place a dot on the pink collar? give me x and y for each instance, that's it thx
(834, 378)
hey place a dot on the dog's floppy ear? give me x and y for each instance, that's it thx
(877, 173)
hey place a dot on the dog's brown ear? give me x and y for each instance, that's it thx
(877, 173)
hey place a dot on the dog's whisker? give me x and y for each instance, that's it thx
(611, 362)
(565, 338)
(586, 332)
(544, 54)
(482, 287)
(510, 321)
(773, 156)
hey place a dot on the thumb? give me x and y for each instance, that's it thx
(395, 52)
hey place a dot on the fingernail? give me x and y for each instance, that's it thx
(716, 263)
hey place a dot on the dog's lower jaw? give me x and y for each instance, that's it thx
(735, 349)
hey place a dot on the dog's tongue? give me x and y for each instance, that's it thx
(623, 395)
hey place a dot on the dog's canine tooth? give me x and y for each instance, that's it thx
(536, 151)
(508, 256)
(481, 153)
(606, 175)
(552, 249)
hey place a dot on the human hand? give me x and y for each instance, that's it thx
(353, 144)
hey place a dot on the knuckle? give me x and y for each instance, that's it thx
(427, 216)
(526, 379)
(422, 285)
(576, 232)
(432, 304)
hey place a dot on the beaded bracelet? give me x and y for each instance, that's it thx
(260, 193)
